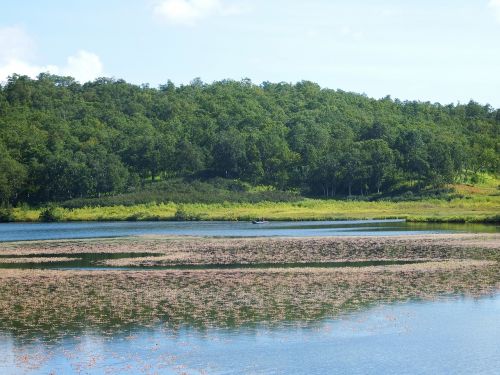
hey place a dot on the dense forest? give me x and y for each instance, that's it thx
(61, 140)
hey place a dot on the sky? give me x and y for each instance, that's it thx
(445, 51)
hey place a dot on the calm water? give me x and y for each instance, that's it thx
(92, 261)
(458, 336)
(43, 231)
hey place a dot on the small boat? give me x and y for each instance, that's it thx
(260, 221)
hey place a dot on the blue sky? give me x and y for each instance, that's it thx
(441, 50)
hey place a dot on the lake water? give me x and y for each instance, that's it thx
(454, 336)
(457, 335)
(43, 231)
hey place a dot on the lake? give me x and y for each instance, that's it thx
(45, 231)
(451, 336)
(78, 316)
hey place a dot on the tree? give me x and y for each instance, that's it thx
(12, 177)
(413, 154)
(188, 157)
(380, 162)
(229, 154)
(60, 140)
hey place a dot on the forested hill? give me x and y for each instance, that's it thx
(61, 140)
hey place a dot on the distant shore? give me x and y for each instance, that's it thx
(477, 210)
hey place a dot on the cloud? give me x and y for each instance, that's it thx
(495, 6)
(84, 66)
(16, 55)
(189, 12)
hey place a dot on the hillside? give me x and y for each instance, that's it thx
(60, 140)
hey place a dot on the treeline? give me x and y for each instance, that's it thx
(61, 140)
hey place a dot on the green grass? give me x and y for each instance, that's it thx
(472, 209)
(180, 191)
(486, 185)
(466, 203)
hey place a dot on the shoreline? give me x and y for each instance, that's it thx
(475, 210)
(486, 219)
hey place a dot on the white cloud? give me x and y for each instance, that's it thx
(495, 6)
(21, 67)
(189, 12)
(84, 66)
(16, 55)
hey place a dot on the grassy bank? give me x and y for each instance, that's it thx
(475, 209)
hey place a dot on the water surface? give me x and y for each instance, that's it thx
(94, 261)
(455, 336)
(46, 231)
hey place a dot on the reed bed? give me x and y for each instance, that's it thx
(317, 250)
(62, 302)
(197, 251)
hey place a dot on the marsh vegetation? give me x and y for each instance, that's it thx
(56, 301)
(477, 209)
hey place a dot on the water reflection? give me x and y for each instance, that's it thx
(458, 335)
(53, 304)
(95, 261)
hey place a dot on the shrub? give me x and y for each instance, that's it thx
(50, 214)
(6, 214)
(181, 214)
(180, 191)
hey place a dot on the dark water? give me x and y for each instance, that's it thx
(93, 261)
(82, 261)
(456, 336)
(45, 231)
